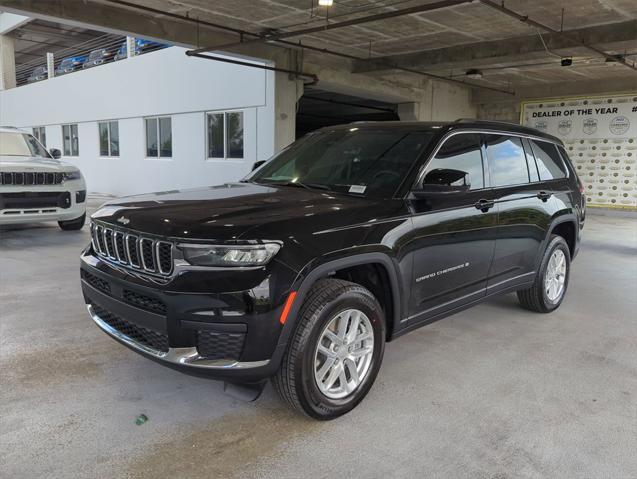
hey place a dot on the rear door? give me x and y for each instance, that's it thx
(525, 208)
(454, 233)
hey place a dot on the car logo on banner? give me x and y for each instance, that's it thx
(589, 126)
(619, 125)
(541, 125)
(564, 127)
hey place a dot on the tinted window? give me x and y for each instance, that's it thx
(354, 160)
(549, 163)
(460, 153)
(507, 160)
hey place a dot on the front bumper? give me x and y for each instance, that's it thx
(27, 204)
(229, 336)
(188, 357)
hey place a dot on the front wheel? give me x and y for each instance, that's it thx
(335, 351)
(73, 225)
(551, 281)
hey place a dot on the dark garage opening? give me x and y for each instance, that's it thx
(318, 108)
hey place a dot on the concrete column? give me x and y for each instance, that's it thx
(408, 111)
(287, 91)
(130, 47)
(7, 62)
(50, 65)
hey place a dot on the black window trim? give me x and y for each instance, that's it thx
(485, 164)
(486, 172)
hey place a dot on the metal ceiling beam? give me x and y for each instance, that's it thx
(575, 40)
(345, 23)
(478, 54)
(288, 44)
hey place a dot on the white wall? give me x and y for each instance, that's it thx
(166, 82)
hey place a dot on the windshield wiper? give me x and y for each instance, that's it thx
(307, 186)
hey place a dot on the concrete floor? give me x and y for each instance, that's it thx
(493, 392)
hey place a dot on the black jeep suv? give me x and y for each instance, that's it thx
(348, 238)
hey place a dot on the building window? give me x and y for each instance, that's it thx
(109, 138)
(159, 138)
(40, 133)
(225, 134)
(70, 140)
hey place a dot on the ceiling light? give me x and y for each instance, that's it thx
(474, 74)
(325, 3)
(567, 62)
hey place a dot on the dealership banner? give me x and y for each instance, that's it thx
(600, 135)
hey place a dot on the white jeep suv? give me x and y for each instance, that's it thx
(36, 186)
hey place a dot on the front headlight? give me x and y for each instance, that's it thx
(230, 255)
(72, 175)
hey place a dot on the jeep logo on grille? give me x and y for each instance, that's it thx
(123, 220)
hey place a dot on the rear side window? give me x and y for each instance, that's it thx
(462, 153)
(549, 164)
(507, 160)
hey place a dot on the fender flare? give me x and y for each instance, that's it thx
(303, 284)
(557, 220)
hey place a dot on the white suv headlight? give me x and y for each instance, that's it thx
(229, 255)
(73, 175)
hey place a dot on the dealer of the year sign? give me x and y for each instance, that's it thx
(600, 135)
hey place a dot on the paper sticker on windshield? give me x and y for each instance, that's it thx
(357, 189)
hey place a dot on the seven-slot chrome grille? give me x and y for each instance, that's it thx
(31, 178)
(131, 249)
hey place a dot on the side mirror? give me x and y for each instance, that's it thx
(444, 181)
(257, 164)
(55, 153)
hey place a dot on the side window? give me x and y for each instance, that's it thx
(549, 163)
(70, 140)
(40, 133)
(458, 154)
(530, 162)
(507, 160)
(159, 138)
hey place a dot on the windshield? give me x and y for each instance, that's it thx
(370, 162)
(21, 144)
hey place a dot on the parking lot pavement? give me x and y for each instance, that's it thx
(494, 391)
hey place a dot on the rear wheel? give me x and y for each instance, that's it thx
(335, 351)
(72, 225)
(551, 281)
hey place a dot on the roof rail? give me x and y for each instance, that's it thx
(9, 127)
(474, 120)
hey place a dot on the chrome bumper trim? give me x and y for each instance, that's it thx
(188, 357)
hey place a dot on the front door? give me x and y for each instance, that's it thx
(454, 233)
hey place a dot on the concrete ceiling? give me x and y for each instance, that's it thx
(446, 41)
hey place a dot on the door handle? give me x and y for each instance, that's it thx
(484, 205)
(544, 195)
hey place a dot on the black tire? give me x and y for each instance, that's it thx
(535, 298)
(295, 381)
(73, 225)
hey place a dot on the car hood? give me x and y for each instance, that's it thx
(26, 163)
(241, 211)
